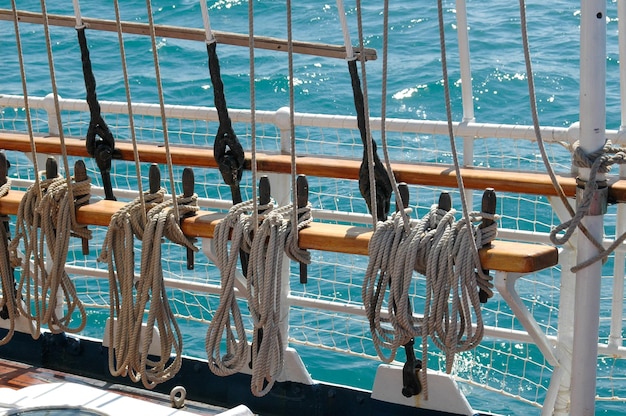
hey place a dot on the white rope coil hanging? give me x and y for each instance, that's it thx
(8, 304)
(440, 249)
(45, 221)
(163, 221)
(236, 227)
(130, 297)
(274, 237)
(118, 253)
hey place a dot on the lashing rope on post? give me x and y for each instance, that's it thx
(597, 162)
(45, 222)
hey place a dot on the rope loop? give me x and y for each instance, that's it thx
(45, 222)
(227, 149)
(163, 222)
(275, 236)
(130, 295)
(99, 140)
(232, 227)
(441, 249)
(293, 251)
(8, 303)
(229, 155)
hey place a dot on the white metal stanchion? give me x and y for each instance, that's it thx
(592, 138)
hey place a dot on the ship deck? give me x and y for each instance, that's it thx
(16, 375)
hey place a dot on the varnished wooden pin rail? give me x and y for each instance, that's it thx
(187, 33)
(502, 255)
(413, 174)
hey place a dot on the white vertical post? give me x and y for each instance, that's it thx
(464, 62)
(592, 138)
(615, 337)
(467, 93)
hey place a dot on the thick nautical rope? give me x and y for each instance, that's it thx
(27, 230)
(275, 236)
(103, 149)
(118, 253)
(440, 249)
(8, 302)
(163, 221)
(126, 355)
(235, 227)
(56, 209)
(46, 224)
(264, 275)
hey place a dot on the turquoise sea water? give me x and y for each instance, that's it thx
(322, 85)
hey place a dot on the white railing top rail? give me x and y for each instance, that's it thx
(281, 119)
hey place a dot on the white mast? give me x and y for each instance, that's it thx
(592, 138)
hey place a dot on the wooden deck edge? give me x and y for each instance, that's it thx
(505, 256)
(324, 166)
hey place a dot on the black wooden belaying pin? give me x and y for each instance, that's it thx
(4, 168)
(4, 171)
(445, 202)
(188, 191)
(154, 178)
(488, 206)
(265, 190)
(52, 168)
(411, 385)
(80, 175)
(403, 191)
(302, 189)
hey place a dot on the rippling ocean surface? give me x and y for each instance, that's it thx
(322, 85)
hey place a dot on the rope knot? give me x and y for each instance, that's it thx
(229, 156)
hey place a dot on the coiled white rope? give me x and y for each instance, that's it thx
(440, 249)
(8, 302)
(118, 253)
(274, 236)
(130, 297)
(266, 245)
(236, 227)
(163, 221)
(45, 221)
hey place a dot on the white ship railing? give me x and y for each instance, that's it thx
(614, 345)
